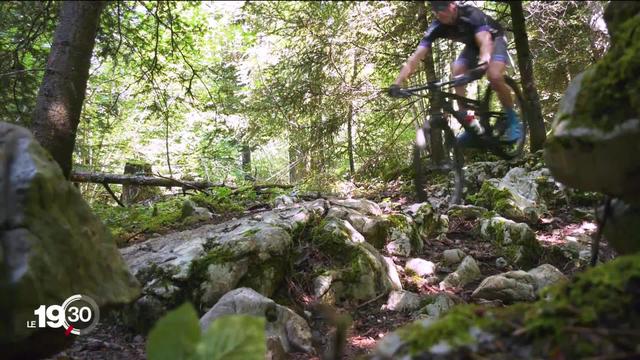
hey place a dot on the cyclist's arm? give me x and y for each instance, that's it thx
(485, 43)
(412, 64)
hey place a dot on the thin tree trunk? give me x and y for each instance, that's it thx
(293, 158)
(530, 93)
(60, 98)
(437, 148)
(352, 166)
(246, 162)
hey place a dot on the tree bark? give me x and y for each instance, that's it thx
(532, 108)
(437, 148)
(140, 180)
(61, 95)
(352, 165)
(246, 162)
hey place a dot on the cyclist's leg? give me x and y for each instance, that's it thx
(467, 59)
(495, 74)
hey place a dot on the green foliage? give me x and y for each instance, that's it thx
(454, 328)
(601, 298)
(125, 222)
(26, 29)
(177, 336)
(221, 200)
(236, 337)
(187, 85)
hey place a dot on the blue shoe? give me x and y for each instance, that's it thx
(513, 133)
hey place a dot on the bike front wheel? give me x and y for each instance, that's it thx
(457, 163)
(494, 119)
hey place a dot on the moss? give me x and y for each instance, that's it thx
(265, 277)
(127, 221)
(216, 254)
(399, 222)
(609, 92)
(492, 198)
(357, 268)
(452, 328)
(582, 318)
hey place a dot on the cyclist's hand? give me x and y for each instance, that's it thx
(396, 92)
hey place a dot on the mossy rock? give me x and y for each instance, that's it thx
(606, 297)
(358, 271)
(594, 143)
(429, 223)
(504, 202)
(516, 242)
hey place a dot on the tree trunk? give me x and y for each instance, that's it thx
(61, 95)
(141, 180)
(532, 109)
(246, 162)
(437, 148)
(352, 166)
(132, 193)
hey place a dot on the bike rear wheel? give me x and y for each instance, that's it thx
(494, 118)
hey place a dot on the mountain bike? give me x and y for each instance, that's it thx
(487, 109)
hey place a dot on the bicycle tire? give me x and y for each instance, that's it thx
(493, 118)
(457, 166)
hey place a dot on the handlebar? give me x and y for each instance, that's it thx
(471, 75)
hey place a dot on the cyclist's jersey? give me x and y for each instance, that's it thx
(470, 21)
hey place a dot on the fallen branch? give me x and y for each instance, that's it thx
(106, 186)
(141, 180)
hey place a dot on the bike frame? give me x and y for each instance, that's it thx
(446, 99)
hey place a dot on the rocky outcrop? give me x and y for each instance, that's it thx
(593, 143)
(516, 242)
(52, 246)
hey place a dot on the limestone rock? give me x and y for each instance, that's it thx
(363, 206)
(204, 263)
(357, 270)
(516, 242)
(402, 301)
(420, 267)
(428, 222)
(52, 246)
(283, 201)
(441, 305)
(546, 275)
(452, 256)
(508, 287)
(373, 228)
(467, 272)
(593, 142)
(282, 323)
(466, 212)
(392, 273)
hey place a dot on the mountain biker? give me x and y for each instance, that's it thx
(484, 43)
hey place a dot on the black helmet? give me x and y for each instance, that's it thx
(439, 5)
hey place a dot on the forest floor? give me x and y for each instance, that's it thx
(370, 322)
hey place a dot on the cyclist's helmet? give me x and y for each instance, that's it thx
(439, 5)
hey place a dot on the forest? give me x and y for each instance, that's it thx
(253, 180)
